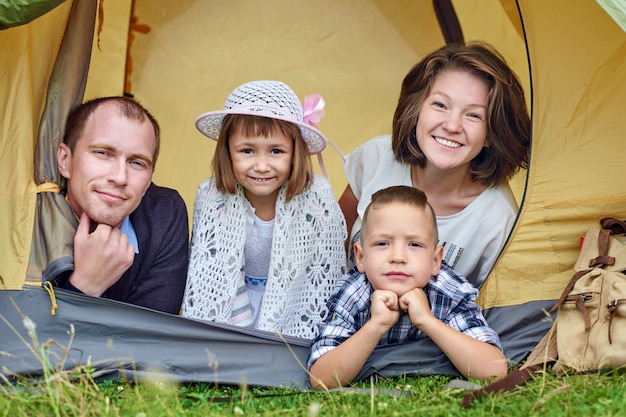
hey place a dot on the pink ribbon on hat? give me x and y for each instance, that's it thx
(313, 109)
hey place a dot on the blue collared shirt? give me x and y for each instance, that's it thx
(128, 229)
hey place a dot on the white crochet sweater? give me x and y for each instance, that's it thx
(308, 256)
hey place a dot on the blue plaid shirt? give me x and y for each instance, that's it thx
(451, 299)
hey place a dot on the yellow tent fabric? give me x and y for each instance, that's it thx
(27, 56)
(578, 62)
(197, 52)
(186, 56)
(183, 58)
(354, 53)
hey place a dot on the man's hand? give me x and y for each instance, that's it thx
(100, 257)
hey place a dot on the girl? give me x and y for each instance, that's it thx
(460, 131)
(268, 235)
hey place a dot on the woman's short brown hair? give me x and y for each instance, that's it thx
(301, 168)
(508, 128)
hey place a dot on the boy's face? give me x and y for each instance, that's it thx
(397, 251)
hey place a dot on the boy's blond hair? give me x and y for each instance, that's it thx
(400, 194)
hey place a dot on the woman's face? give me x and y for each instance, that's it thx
(452, 122)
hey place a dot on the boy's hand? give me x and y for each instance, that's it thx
(385, 308)
(415, 304)
(340, 365)
(470, 356)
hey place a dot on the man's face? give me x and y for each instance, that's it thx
(111, 167)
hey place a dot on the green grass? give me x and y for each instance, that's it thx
(76, 393)
(546, 395)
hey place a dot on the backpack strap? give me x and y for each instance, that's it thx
(603, 258)
(543, 355)
(513, 380)
(568, 289)
(617, 227)
(609, 225)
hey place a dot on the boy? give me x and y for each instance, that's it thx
(401, 291)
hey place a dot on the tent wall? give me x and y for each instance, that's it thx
(27, 53)
(578, 63)
(186, 57)
(183, 58)
(196, 52)
(122, 340)
(355, 53)
(107, 70)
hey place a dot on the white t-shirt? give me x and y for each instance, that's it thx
(258, 252)
(472, 238)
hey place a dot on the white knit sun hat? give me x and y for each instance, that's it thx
(273, 99)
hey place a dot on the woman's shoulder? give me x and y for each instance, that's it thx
(498, 201)
(374, 145)
(373, 164)
(498, 196)
(380, 140)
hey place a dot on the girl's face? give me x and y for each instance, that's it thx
(452, 122)
(261, 164)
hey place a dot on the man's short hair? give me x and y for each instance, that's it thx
(126, 106)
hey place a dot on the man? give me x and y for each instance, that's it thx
(131, 243)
